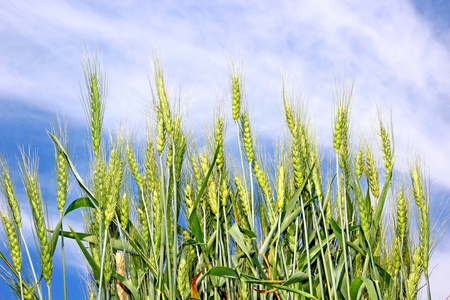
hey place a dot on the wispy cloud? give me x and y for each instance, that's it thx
(388, 48)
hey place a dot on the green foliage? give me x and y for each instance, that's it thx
(170, 222)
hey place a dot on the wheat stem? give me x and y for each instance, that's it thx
(102, 263)
(38, 287)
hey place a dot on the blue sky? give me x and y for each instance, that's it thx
(398, 52)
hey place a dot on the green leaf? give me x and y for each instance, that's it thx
(297, 277)
(10, 266)
(359, 194)
(297, 291)
(269, 241)
(248, 233)
(223, 272)
(135, 238)
(239, 238)
(74, 171)
(137, 242)
(115, 243)
(288, 216)
(194, 223)
(205, 181)
(370, 288)
(95, 268)
(128, 284)
(340, 271)
(212, 241)
(190, 242)
(355, 287)
(337, 231)
(314, 253)
(257, 264)
(356, 247)
(237, 235)
(380, 206)
(275, 284)
(291, 204)
(195, 227)
(77, 203)
(250, 279)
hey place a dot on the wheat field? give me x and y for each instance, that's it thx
(167, 218)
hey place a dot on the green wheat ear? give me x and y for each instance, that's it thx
(236, 92)
(62, 167)
(218, 141)
(164, 106)
(160, 130)
(7, 188)
(387, 151)
(30, 179)
(249, 227)
(133, 166)
(288, 111)
(341, 130)
(13, 241)
(247, 137)
(418, 186)
(281, 187)
(372, 168)
(94, 99)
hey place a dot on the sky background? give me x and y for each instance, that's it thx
(397, 53)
